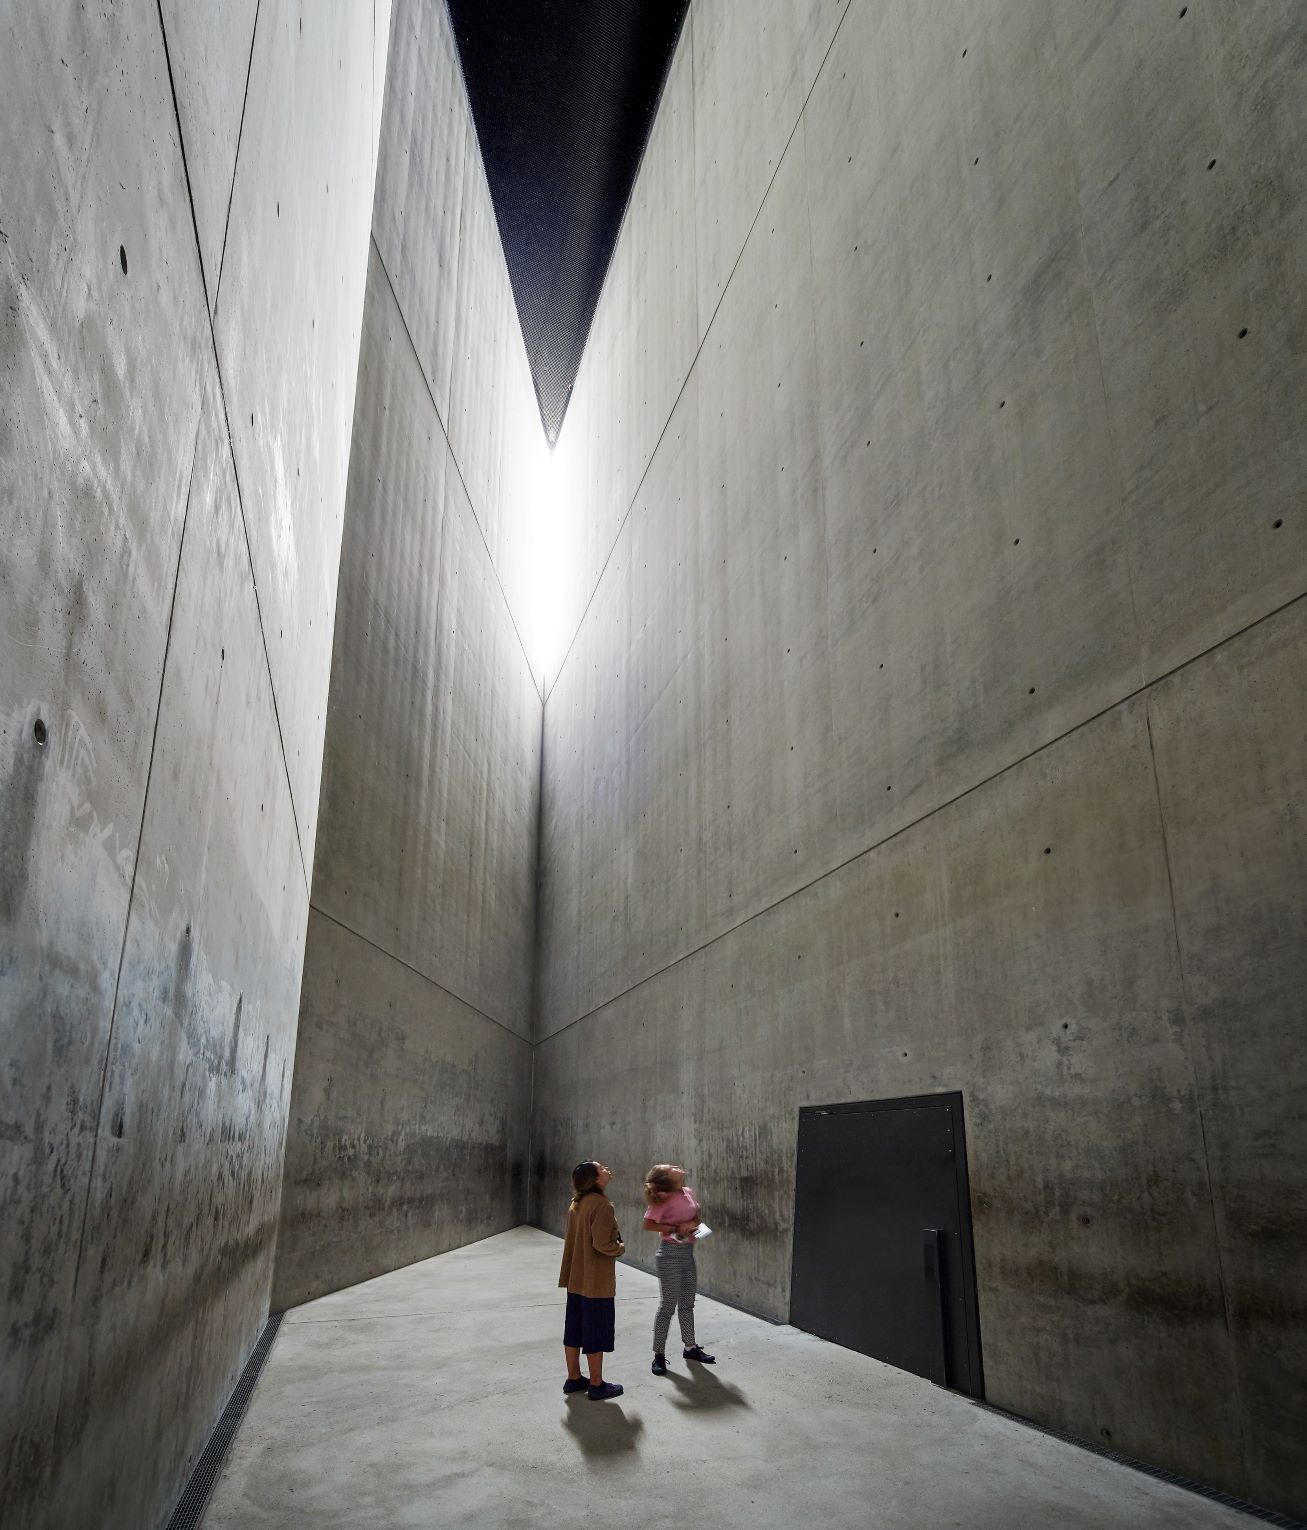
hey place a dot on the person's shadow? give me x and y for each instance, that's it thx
(602, 1431)
(702, 1389)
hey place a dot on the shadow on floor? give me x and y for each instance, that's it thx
(702, 1389)
(601, 1429)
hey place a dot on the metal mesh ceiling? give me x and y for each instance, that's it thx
(563, 95)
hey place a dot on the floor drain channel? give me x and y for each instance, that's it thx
(1253, 1510)
(195, 1496)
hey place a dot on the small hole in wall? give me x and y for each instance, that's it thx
(1032, 690)
(1277, 524)
(39, 733)
(1048, 849)
(1211, 164)
(122, 257)
(1243, 333)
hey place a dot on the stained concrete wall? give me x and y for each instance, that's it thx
(935, 717)
(167, 577)
(411, 1096)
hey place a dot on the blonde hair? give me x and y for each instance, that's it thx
(660, 1182)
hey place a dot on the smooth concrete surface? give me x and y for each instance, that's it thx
(98, 425)
(989, 446)
(210, 48)
(289, 344)
(434, 226)
(154, 896)
(959, 956)
(411, 1095)
(1238, 854)
(181, 1213)
(433, 1396)
(431, 775)
(410, 1119)
(931, 716)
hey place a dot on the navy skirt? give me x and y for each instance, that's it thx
(589, 1323)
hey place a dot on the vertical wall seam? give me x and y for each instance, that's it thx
(1187, 1004)
(154, 736)
(1119, 494)
(458, 466)
(186, 169)
(136, 862)
(685, 381)
(240, 133)
(258, 606)
(231, 445)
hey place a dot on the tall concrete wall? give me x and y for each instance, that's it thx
(411, 1095)
(168, 188)
(934, 716)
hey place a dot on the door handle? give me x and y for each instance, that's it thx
(932, 1249)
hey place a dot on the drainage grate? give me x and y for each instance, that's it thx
(1254, 1511)
(195, 1496)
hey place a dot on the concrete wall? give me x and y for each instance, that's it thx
(167, 584)
(935, 717)
(411, 1095)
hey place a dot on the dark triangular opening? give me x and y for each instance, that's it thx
(563, 95)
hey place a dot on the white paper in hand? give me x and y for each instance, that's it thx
(702, 1231)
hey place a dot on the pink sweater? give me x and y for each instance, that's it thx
(680, 1206)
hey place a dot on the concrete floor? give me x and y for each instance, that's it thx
(433, 1396)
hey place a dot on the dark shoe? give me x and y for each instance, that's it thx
(697, 1352)
(575, 1384)
(660, 1365)
(604, 1391)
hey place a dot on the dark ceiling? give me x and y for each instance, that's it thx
(563, 94)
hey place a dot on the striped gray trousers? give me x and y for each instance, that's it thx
(678, 1279)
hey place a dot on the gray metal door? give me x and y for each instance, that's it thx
(882, 1236)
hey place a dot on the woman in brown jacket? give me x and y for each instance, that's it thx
(591, 1250)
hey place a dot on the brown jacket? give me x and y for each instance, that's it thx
(592, 1247)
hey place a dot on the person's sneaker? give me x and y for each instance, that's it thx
(660, 1365)
(575, 1384)
(697, 1352)
(604, 1391)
